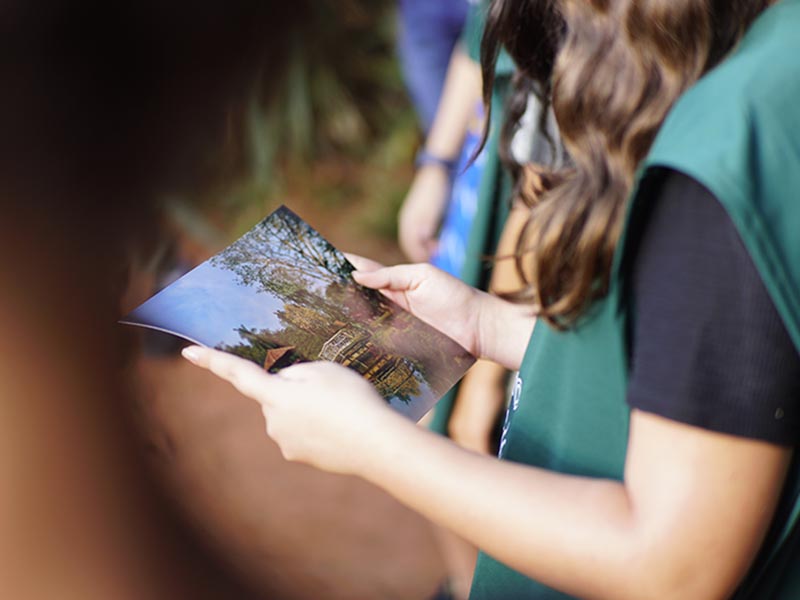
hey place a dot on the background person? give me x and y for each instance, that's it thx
(427, 35)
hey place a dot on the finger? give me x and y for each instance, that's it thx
(399, 278)
(245, 376)
(363, 264)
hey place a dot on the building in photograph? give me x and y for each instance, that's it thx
(352, 347)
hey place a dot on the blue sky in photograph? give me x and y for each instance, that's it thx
(206, 305)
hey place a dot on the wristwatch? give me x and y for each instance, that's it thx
(425, 158)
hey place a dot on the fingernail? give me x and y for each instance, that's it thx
(191, 354)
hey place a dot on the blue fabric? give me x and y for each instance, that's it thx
(452, 247)
(429, 30)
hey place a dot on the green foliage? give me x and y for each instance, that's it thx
(255, 345)
(328, 126)
(283, 255)
(334, 92)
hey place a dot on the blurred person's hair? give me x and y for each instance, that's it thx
(105, 109)
(612, 69)
(114, 106)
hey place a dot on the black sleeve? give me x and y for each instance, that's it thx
(707, 346)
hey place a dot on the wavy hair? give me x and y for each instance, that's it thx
(618, 68)
(531, 36)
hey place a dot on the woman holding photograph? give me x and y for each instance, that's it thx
(649, 447)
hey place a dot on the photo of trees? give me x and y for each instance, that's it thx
(282, 294)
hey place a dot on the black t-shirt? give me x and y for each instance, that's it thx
(707, 346)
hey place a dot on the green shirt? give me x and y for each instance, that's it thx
(737, 132)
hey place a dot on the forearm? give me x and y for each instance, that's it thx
(487, 372)
(571, 533)
(505, 277)
(508, 327)
(504, 330)
(479, 403)
(462, 89)
(707, 495)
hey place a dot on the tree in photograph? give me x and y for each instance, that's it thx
(282, 255)
(403, 383)
(354, 304)
(314, 321)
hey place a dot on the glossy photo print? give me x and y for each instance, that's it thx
(282, 294)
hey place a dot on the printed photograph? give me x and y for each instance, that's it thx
(282, 295)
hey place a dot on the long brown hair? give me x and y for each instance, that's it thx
(619, 68)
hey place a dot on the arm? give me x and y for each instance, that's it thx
(505, 277)
(482, 392)
(426, 200)
(646, 537)
(462, 89)
(649, 536)
(478, 404)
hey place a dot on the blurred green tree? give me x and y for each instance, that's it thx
(336, 87)
(327, 124)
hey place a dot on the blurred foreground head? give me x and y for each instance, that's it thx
(105, 108)
(112, 106)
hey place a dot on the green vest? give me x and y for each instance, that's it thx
(737, 131)
(495, 186)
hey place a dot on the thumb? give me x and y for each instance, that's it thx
(361, 263)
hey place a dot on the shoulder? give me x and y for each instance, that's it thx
(764, 69)
(736, 132)
(753, 93)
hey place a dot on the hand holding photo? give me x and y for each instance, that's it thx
(282, 295)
